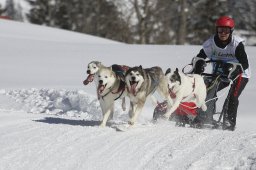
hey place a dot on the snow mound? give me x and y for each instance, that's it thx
(51, 101)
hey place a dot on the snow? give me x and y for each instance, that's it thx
(49, 119)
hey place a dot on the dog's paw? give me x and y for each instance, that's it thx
(166, 116)
(204, 107)
(130, 122)
(102, 125)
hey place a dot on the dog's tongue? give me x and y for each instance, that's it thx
(133, 88)
(100, 89)
(88, 79)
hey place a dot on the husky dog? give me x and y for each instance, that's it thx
(142, 83)
(183, 88)
(92, 69)
(110, 88)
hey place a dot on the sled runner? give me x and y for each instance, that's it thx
(188, 113)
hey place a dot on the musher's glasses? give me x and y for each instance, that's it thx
(224, 30)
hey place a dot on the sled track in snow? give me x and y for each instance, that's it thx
(64, 141)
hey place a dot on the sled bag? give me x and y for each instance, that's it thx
(187, 108)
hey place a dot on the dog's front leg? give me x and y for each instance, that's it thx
(130, 113)
(137, 108)
(173, 107)
(200, 103)
(106, 112)
(123, 104)
(131, 110)
(153, 100)
(111, 116)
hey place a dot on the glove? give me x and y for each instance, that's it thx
(232, 70)
(198, 65)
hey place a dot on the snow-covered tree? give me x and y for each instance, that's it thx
(1, 10)
(13, 10)
(144, 21)
(96, 17)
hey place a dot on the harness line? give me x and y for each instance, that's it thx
(217, 97)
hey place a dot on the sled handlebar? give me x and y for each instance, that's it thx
(214, 61)
(214, 75)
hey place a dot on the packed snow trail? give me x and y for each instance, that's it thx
(40, 141)
(68, 137)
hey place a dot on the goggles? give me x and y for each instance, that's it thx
(224, 30)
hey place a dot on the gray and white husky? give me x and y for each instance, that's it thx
(110, 88)
(142, 83)
(185, 88)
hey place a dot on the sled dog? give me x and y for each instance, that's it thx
(110, 88)
(185, 88)
(142, 83)
(92, 68)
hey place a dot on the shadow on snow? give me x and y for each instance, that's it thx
(53, 120)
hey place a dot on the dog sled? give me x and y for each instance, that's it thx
(188, 114)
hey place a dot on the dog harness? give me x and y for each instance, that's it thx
(121, 89)
(120, 71)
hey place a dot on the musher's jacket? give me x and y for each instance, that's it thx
(232, 52)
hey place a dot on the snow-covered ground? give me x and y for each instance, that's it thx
(48, 119)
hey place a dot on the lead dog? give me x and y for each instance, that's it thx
(92, 71)
(142, 83)
(110, 88)
(183, 88)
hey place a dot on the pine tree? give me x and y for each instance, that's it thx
(1, 10)
(13, 11)
(96, 17)
(41, 12)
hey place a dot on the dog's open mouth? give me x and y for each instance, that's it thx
(133, 86)
(101, 88)
(89, 79)
(172, 94)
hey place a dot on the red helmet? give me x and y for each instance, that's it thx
(225, 21)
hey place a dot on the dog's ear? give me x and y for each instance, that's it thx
(168, 71)
(98, 64)
(177, 70)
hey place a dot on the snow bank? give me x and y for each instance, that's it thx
(71, 103)
(51, 101)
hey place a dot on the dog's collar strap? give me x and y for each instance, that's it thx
(106, 94)
(193, 86)
(121, 89)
